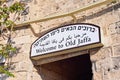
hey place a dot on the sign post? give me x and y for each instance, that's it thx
(66, 39)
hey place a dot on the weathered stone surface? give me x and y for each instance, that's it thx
(28, 31)
(102, 53)
(115, 39)
(22, 40)
(97, 75)
(25, 66)
(15, 67)
(104, 64)
(114, 75)
(118, 27)
(46, 25)
(114, 32)
(36, 27)
(39, 11)
(116, 50)
(107, 77)
(24, 48)
(23, 31)
(116, 63)
(22, 66)
(18, 76)
(37, 76)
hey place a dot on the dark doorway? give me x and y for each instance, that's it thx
(75, 68)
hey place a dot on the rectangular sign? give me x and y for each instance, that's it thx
(66, 38)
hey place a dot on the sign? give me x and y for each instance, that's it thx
(68, 37)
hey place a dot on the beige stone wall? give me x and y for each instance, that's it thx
(106, 61)
(46, 8)
(21, 64)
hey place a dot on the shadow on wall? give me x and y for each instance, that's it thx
(75, 68)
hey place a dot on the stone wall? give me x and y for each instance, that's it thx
(106, 61)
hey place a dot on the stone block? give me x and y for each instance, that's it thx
(55, 23)
(33, 39)
(24, 48)
(18, 33)
(36, 27)
(98, 75)
(25, 66)
(29, 75)
(22, 66)
(110, 17)
(107, 41)
(118, 27)
(15, 67)
(98, 54)
(79, 1)
(114, 75)
(114, 39)
(104, 64)
(116, 50)
(116, 63)
(106, 77)
(22, 40)
(20, 57)
(112, 29)
(18, 76)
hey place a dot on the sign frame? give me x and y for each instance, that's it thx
(70, 50)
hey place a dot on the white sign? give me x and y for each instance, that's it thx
(66, 37)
